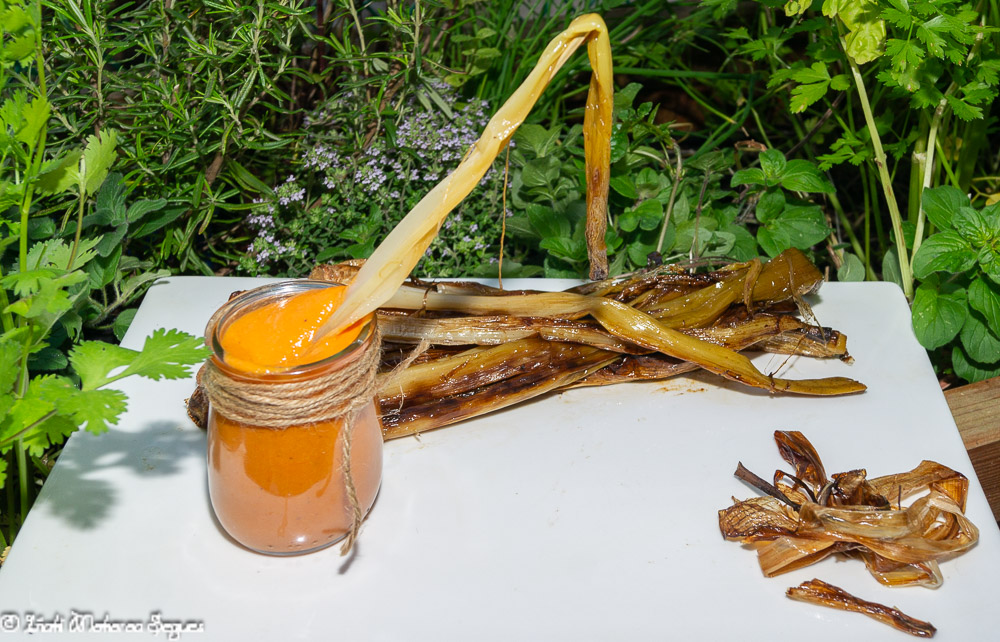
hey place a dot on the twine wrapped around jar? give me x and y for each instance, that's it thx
(338, 395)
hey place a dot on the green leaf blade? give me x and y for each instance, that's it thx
(938, 318)
(943, 252)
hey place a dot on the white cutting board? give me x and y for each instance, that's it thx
(588, 515)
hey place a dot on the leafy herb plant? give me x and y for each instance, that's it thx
(959, 296)
(58, 283)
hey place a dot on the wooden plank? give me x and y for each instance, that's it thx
(986, 460)
(976, 409)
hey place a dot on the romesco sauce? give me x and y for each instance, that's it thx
(281, 490)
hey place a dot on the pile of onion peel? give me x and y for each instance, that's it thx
(806, 517)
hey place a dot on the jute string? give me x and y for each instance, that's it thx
(336, 396)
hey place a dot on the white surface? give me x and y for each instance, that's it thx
(589, 515)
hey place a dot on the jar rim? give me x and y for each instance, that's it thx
(254, 298)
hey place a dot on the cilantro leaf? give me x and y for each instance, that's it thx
(98, 156)
(60, 174)
(963, 109)
(94, 361)
(94, 410)
(50, 432)
(805, 95)
(166, 354)
(35, 114)
(55, 253)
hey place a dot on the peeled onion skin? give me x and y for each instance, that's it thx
(900, 545)
(818, 592)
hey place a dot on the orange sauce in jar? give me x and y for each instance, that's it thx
(282, 490)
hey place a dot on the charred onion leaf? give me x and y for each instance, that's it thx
(823, 594)
(493, 348)
(490, 348)
(850, 514)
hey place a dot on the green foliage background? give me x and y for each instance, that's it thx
(154, 137)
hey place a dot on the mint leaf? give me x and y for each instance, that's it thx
(720, 244)
(984, 298)
(546, 222)
(974, 226)
(122, 322)
(639, 252)
(628, 221)
(852, 269)
(650, 213)
(624, 185)
(110, 210)
(971, 370)
(890, 268)
(989, 262)
(744, 244)
(804, 225)
(938, 318)
(941, 203)
(773, 241)
(770, 206)
(943, 252)
(688, 233)
(536, 138)
(567, 249)
(772, 163)
(749, 176)
(802, 176)
(979, 342)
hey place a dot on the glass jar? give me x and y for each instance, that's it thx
(282, 491)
